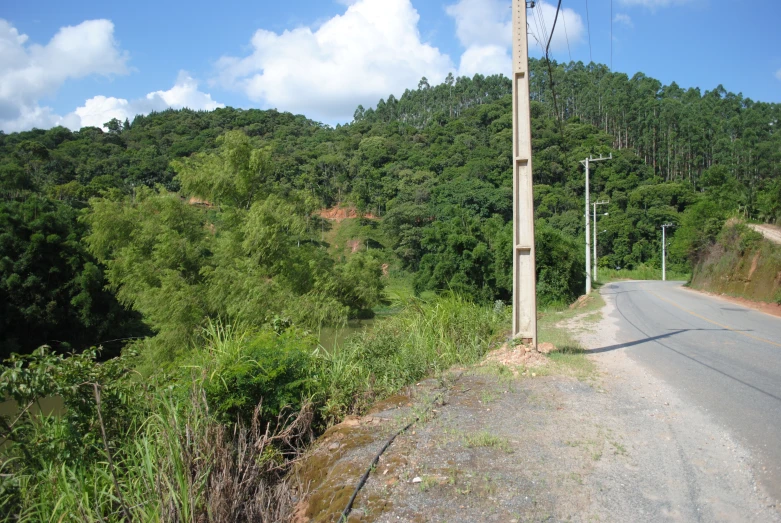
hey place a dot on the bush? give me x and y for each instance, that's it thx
(243, 368)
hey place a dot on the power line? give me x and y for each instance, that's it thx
(541, 18)
(537, 25)
(588, 26)
(564, 21)
(550, 72)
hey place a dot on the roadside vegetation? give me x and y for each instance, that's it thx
(193, 249)
(740, 262)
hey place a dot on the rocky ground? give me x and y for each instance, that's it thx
(589, 439)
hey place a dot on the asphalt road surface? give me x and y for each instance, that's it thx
(723, 357)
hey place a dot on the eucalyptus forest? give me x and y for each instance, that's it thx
(168, 277)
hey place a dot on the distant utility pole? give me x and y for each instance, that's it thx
(586, 163)
(524, 271)
(601, 202)
(664, 251)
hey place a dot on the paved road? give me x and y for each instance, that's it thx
(725, 358)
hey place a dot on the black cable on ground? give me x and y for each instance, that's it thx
(365, 477)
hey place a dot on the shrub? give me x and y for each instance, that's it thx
(243, 368)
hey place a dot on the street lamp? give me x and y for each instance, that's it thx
(601, 202)
(664, 250)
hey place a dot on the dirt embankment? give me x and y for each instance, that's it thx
(339, 213)
(742, 264)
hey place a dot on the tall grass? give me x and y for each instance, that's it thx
(182, 466)
(181, 458)
(427, 337)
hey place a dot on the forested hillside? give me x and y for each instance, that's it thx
(192, 247)
(433, 165)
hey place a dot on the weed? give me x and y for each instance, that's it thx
(427, 482)
(486, 439)
(620, 449)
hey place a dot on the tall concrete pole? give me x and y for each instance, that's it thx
(596, 265)
(664, 251)
(586, 163)
(524, 271)
(588, 240)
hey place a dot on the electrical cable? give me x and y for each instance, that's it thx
(588, 27)
(564, 21)
(550, 72)
(558, 8)
(541, 16)
(365, 477)
(539, 32)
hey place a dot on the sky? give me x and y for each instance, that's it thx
(81, 63)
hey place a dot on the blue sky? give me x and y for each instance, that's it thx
(83, 62)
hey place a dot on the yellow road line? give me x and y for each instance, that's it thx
(742, 333)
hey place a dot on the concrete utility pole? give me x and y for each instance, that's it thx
(601, 202)
(586, 163)
(664, 251)
(524, 271)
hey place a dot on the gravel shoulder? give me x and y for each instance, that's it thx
(545, 444)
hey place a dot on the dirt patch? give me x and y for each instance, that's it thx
(354, 245)
(338, 213)
(771, 232)
(197, 202)
(518, 357)
(774, 309)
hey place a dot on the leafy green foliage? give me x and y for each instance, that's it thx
(243, 367)
(51, 290)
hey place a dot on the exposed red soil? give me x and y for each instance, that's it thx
(199, 203)
(773, 309)
(339, 213)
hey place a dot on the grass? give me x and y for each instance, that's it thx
(425, 338)
(641, 273)
(484, 439)
(570, 356)
(179, 459)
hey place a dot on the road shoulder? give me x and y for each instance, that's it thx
(615, 444)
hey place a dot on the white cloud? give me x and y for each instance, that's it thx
(778, 74)
(621, 18)
(370, 51)
(484, 28)
(100, 109)
(29, 71)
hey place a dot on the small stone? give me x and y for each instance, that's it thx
(527, 349)
(534, 374)
(416, 479)
(334, 446)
